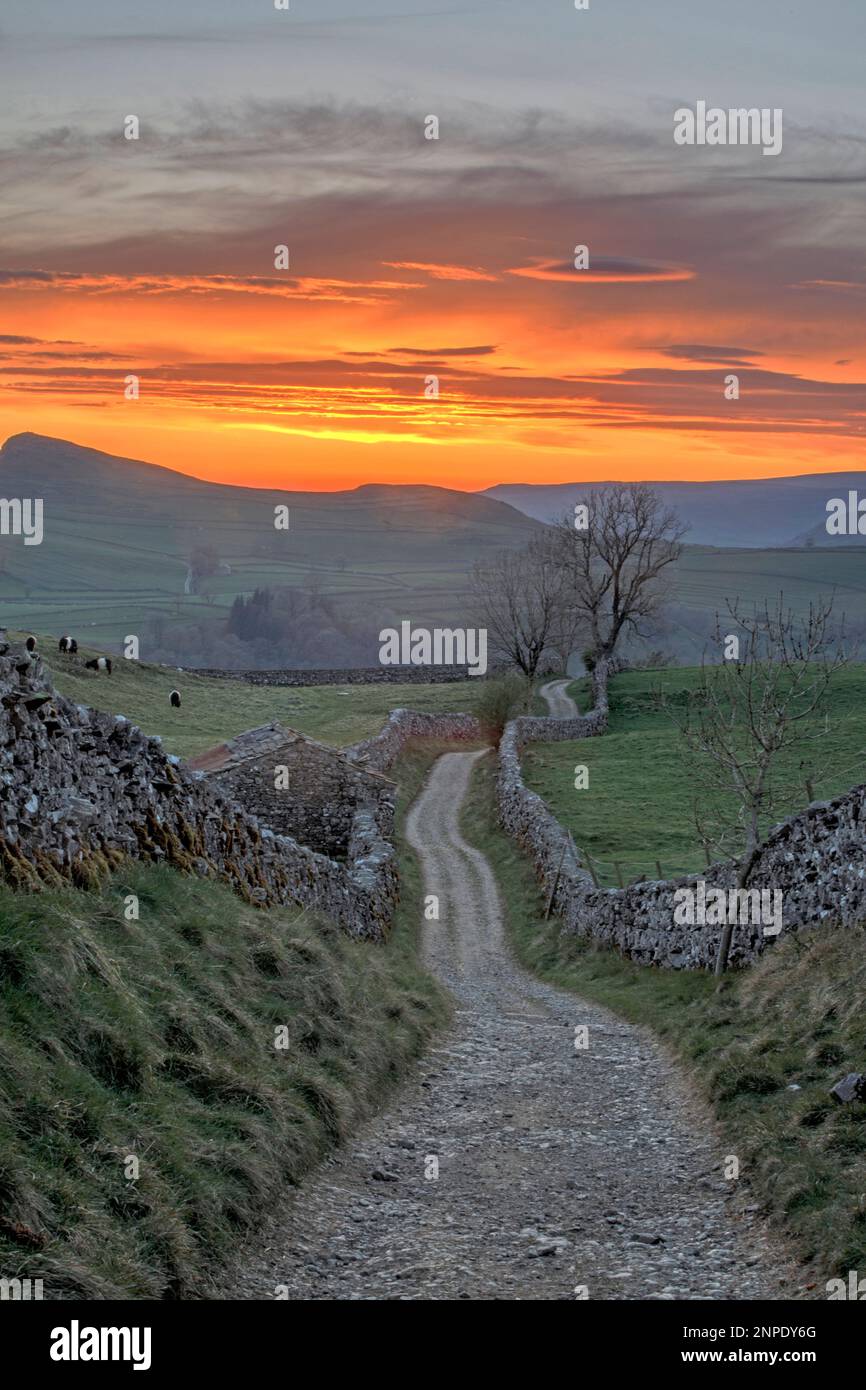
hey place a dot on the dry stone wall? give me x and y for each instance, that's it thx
(404, 725)
(349, 675)
(81, 790)
(817, 859)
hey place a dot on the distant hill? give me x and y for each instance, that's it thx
(753, 512)
(59, 471)
(120, 534)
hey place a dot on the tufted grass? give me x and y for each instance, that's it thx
(155, 1038)
(794, 1019)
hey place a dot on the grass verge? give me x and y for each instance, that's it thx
(154, 1039)
(794, 1019)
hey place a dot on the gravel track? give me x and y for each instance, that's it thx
(561, 706)
(558, 1169)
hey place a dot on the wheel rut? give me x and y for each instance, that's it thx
(515, 1166)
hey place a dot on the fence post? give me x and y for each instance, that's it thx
(589, 862)
(555, 882)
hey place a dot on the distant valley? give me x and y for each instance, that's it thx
(134, 548)
(131, 547)
(753, 512)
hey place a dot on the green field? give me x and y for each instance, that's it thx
(213, 710)
(637, 808)
(73, 587)
(103, 613)
(705, 577)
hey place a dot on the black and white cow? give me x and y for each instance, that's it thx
(99, 663)
(174, 699)
(67, 644)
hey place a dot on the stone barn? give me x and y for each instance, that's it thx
(300, 787)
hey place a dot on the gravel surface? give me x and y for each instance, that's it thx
(561, 706)
(560, 1172)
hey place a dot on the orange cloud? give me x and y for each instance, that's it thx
(840, 286)
(302, 287)
(442, 272)
(605, 270)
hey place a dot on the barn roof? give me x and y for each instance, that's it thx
(267, 741)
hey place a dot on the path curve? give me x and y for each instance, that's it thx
(557, 1168)
(561, 706)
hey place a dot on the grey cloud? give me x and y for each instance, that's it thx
(703, 352)
(482, 351)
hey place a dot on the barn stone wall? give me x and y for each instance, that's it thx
(301, 787)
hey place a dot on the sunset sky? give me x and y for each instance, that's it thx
(413, 257)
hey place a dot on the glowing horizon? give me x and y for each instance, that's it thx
(412, 259)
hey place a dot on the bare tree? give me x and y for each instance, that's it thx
(749, 709)
(525, 607)
(204, 561)
(613, 554)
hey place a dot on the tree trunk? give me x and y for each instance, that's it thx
(727, 935)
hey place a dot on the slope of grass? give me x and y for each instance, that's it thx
(121, 533)
(705, 575)
(214, 709)
(155, 1039)
(794, 1019)
(638, 807)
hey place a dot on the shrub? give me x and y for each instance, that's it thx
(502, 698)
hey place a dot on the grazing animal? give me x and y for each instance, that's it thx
(67, 644)
(30, 644)
(99, 663)
(174, 697)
